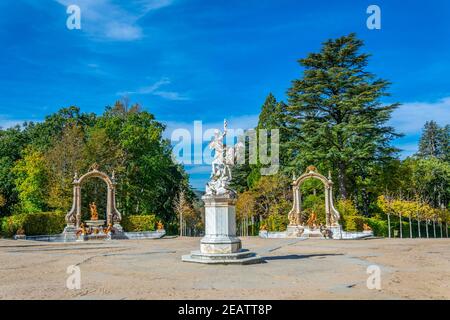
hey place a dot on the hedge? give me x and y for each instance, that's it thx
(39, 223)
(276, 222)
(134, 223)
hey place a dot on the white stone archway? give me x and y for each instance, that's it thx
(113, 216)
(331, 213)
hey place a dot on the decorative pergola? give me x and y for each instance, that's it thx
(113, 216)
(332, 215)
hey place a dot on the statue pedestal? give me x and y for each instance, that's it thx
(220, 244)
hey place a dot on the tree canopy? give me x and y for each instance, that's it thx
(38, 162)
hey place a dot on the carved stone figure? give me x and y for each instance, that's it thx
(366, 227)
(94, 213)
(312, 220)
(224, 159)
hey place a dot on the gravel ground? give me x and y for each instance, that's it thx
(293, 269)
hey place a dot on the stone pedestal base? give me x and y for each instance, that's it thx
(294, 231)
(69, 234)
(312, 233)
(336, 231)
(242, 257)
(220, 244)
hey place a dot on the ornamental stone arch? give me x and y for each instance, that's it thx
(331, 213)
(113, 216)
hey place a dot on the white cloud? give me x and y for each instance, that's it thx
(153, 89)
(410, 117)
(9, 123)
(106, 20)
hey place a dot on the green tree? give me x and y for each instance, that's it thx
(149, 179)
(271, 117)
(337, 111)
(31, 181)
(431, 179)
(434, 141)
(63, 159)
(12, 141)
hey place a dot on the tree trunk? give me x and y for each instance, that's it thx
(341, 180)
(389, 225)
(418, 227)
(181, 224)
(440, 227)
(410, 227)
(434, 228)
(426, 227)
(400, 217)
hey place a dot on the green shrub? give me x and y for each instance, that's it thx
(354, 223)
(39, 223)
(135, 223)
(346, 208)
(379, 227)
(276, 222)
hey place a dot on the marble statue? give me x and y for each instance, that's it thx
(224, 158)
(220, 245)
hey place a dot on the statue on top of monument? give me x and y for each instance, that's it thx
(224, 158)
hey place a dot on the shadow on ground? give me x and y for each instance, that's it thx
(298, 256)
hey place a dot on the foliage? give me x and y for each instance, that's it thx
(12, 142)
(346, 208)
(276, 222)
(245, 205)
(431, 179)
(2, 201)
(191, 215)
(38, 162)
(31, 179)
(38, 223)
(135, 223)
(434, 141)
(350, 218)
(354, 223)
(314, 203)
(337, 109)
(268, 200)
(379, 227)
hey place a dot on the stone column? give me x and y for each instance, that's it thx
(220, 226)
(327, 206)
(73, 217)
(78, 201)
(298, 196)
(109, 199)
(220, 244)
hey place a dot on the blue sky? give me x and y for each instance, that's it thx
(187, 60)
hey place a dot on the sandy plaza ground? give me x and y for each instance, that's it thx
(292, 269)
